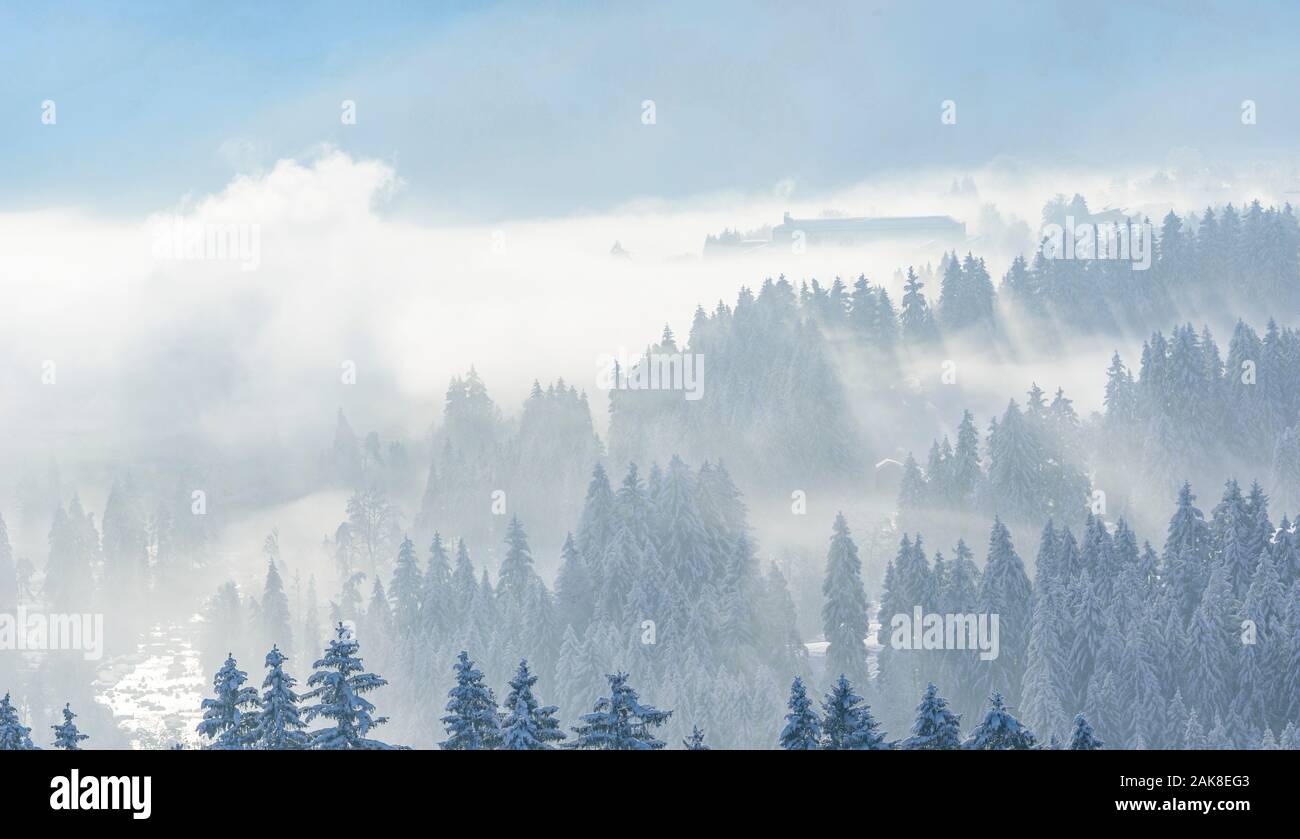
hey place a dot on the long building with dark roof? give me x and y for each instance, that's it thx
(846, 232)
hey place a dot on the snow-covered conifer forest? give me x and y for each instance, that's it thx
(642, 413)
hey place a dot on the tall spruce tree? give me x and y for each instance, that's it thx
(1082, 739)
(1046, 686)
(916, 319)
(574, 591)
(619, 722)
(230, 717)
(845, 612)
(437, 601)
(406, 592)
(66, 735)
(14, 736)
(338, 685)
(936, 728)
(1211, 644)
(529, 725)
(517, 575)
(1005, 591)
(1232, 529)
(966, 471)
(472, 720)
(1016, 488)
(279, 724)
(596, 526)
(803, 730)
(847, 723)
(277, 624)
(695, 743)
(999, 730)
(1186, 553)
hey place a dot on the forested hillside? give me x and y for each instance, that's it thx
(707, 550)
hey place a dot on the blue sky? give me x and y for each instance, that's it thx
(495, 110)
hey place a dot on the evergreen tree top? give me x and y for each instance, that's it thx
(999, 730)
(620, 722)
(803, 731)
(338, 685)
(472, 721)
(936, 727)
(229, 717)
(847, 723)
(1082, 739)
(695, 743)
(279, 724)
(14, 736)
(528, 726)
(66, 735)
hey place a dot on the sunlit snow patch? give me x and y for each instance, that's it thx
(155, 692)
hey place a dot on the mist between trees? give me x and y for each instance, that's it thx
(693, 557)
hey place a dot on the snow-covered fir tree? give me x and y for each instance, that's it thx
(279, 721)
(528, 725)
(999, 730)
(338, 685)
(803, 730)
(66, 735)
(695, 743)
(1082, 739)
(277, 624)
(845, 613)
(619, 722)
(847, 723)
(14, 736)
(472, 721)
(936, 727)
(230, 716)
